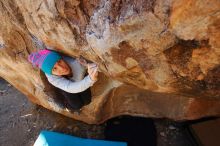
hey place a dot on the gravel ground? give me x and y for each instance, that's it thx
(21, 122)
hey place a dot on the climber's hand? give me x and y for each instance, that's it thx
(93, 71)
(82, 61)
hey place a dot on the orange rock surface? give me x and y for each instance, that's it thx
(157, 58)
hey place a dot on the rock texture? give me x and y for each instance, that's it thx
(157, 58)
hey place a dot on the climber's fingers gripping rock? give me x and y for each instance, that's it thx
(93, 71)
(82, 61)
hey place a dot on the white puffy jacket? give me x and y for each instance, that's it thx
(77, 83)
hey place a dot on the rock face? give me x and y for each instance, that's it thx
(157, 58)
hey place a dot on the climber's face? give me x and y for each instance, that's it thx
(61, 68)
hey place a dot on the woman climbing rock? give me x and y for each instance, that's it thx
(68, 75)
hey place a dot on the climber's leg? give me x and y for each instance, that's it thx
(72, 101)
(86, 96)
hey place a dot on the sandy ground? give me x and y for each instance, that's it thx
(21, 122)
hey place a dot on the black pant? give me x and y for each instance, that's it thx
(75, 101)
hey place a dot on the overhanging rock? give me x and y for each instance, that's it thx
(158, 58)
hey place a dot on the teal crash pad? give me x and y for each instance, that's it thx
(48, 138)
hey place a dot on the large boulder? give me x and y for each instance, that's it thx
(157, 58)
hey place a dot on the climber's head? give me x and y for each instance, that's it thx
(61, 68)
(49, 62)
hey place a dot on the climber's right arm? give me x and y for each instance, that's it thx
(68, 85)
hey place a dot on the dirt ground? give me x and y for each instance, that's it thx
(21, 122)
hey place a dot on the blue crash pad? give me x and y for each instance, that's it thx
(48, 138)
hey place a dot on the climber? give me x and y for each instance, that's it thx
(68, 75)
